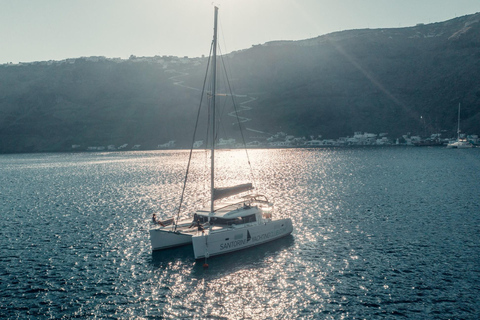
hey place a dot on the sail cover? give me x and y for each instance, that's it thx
(220, 193)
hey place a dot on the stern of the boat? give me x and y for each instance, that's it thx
(237, 238)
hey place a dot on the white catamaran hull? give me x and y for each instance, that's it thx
(164, 239)
(232, 239)
(459, 145)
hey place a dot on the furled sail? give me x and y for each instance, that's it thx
(220, 193)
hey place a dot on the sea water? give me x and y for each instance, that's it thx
(378, 233)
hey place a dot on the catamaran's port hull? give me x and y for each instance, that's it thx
(166, 239)
(239, 238)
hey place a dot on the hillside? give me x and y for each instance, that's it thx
(376, 80)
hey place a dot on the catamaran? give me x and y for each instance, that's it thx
(460, 143)
(235, 219)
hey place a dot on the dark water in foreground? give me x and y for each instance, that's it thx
(386, 233)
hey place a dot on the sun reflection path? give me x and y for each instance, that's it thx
(279, 284)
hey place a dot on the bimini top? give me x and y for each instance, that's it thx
(220, 193)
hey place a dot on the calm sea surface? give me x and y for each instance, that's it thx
(379, 233)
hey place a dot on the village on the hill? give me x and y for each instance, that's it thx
(283, 140)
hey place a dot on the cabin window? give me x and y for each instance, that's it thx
(250, 218)
(229, 222)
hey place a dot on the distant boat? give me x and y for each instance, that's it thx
(460, 143)
(225, 226)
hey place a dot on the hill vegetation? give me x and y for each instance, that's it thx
(376, 80)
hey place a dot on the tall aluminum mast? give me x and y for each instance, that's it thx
(214, 82)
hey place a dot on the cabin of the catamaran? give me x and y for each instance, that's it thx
(223, 221)
(216, 221)
(247, 209)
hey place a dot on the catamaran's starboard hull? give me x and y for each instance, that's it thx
(165, 239)
(459, 146)
(234, 239)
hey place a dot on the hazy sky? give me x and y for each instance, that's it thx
(38, 30)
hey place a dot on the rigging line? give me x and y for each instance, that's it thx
(207, 149)
(219, 111)
(220, 117)
(238, 120)
(193, 141)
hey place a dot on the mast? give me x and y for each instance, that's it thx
(214, 82)
(458, 125)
